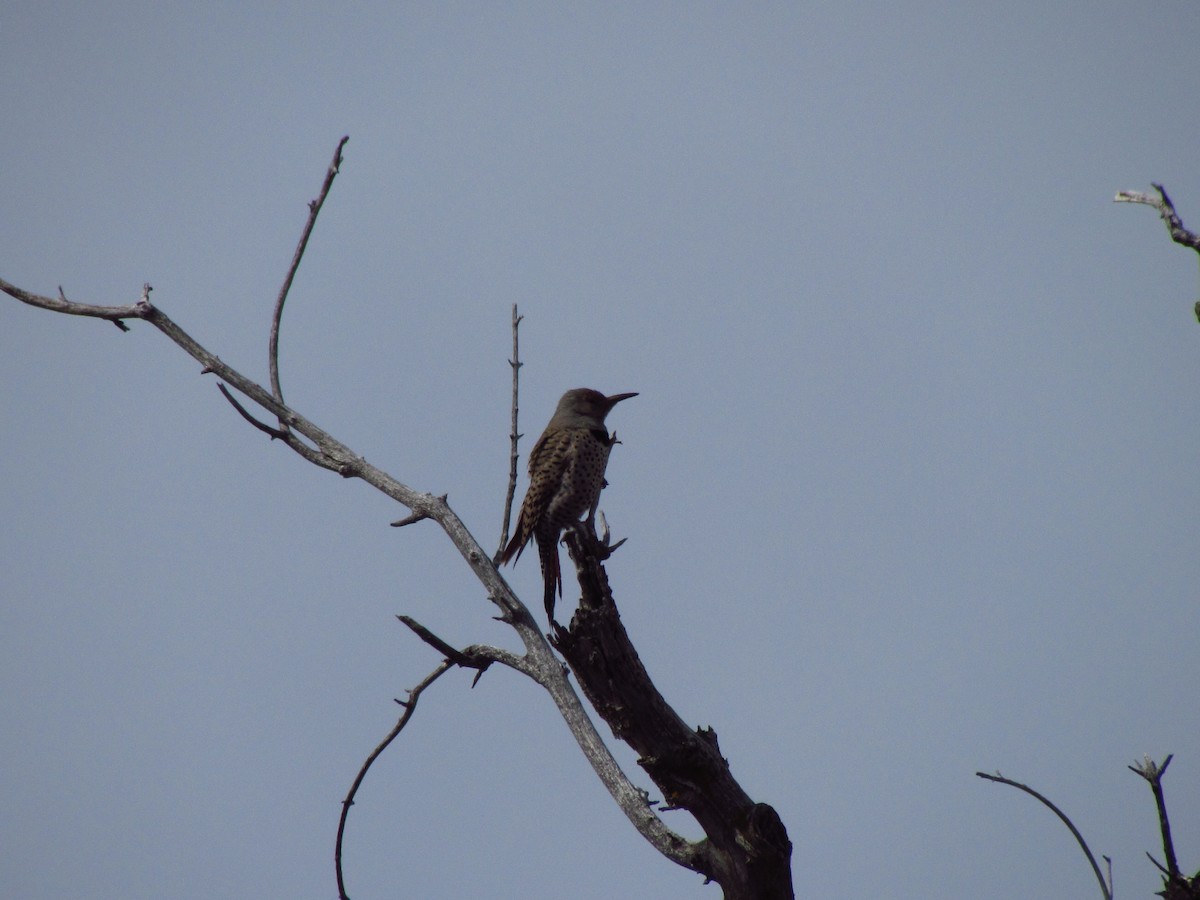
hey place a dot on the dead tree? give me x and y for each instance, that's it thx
(745, 849)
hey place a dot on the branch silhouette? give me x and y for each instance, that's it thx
(746, 849)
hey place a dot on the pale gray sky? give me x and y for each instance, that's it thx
(910, 489)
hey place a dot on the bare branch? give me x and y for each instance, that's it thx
(313, 456)
(1166, 210)
(539, 661)
(261, 426)
(416, 517)
(410, 706)
(513, 435)
(1105, 888)
(62, 305)
(477, 656)
(1153, 773)
(314, 208)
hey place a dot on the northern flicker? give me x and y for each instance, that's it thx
(566, 474)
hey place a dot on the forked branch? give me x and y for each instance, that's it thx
(322, 449)
(1176, 885)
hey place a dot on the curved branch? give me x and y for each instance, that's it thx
(474, 657)
(999, 779)
(314, 208)
(410, 706)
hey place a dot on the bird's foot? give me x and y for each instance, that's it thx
(600, 540)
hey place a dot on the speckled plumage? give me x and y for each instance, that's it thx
(566, 475)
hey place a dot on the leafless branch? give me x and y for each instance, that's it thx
(477, 656)
(416, 517)
(538, 662)
(313, 456)
(513, 435)
(410, 706)
(1106, 888)
(541, 664)
(275, 433)
(1153, 774)
(314, 208)
(62, 305)
(1166, 210)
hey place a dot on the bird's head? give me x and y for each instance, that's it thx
(588, 405)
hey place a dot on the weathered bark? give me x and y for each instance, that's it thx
(746, 850)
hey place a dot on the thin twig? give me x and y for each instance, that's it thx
(1107, 890)
(314, 207)
(474, 657)
(275, 433)
(417, 516)
(433, 640)
(61, 304)
(316, 457)
(410, 706)
(513, 435)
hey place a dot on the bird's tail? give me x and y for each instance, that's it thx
(551, 574)
(516, 546)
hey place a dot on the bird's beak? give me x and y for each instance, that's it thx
(617, 398)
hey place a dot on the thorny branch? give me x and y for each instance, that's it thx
(513, 435)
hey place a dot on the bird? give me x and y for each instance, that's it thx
(566, 475)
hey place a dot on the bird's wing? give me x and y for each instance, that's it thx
(547, 463)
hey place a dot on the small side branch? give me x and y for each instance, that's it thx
(314, 208)
(1166, 209)
(476, 657)
(410, 706)
(61, 304)
(316, 457)
(275, 433)
(418, 516)
(513, 435)
(1105, 887)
